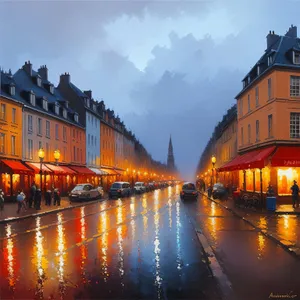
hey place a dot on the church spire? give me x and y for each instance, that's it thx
(171, 161)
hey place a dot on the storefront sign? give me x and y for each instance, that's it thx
(291, 162)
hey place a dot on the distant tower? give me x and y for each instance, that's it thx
(171, 161)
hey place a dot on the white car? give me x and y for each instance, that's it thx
(139, 187)
(86, 191)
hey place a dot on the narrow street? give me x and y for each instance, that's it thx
(143, 247)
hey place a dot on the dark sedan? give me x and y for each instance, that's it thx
(189, 191)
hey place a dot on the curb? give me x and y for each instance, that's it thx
(262, 231)
(214, 266)
(14, 219)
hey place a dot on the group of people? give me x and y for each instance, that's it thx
(33, 199)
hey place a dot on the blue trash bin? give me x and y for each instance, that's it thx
(271, 203)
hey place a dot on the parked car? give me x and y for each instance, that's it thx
(219, 191)
(188, 191)
(85, 192)
(139, 188)
(151, 186)
(147, 187)
(119, 189)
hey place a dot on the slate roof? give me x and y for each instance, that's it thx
(281, 53)
(7, 79)
(25, 83)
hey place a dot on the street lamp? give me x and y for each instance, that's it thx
(41, 154)
(56, 156)
(213, 161)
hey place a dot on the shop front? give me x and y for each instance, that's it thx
(110, 178)
(85, 175)
(62, 178)
(14, 176)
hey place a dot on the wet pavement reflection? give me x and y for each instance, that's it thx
(142, 247)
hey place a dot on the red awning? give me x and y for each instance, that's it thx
(15, 167)
(251, 160)
(60, 170)
(37, 166)
(109, 171)
(286, 156)
(82, 170)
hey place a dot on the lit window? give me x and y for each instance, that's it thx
(30, 149)
(295, 86)
(295, 125)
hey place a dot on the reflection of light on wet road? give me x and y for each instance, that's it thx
(262, 223)
(261, 245)
(120, 244)
(286, 219)
(39, 252)
(178, 242)
(104, 241)
(170, 213)
(169, 191)
(145, 217)
(61, 253)
(132, 213)
(10, 259)
(158, 279)
(177, 189)
(83, 249)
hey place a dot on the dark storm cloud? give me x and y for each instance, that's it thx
(189, 82)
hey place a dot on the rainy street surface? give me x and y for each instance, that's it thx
(143, 247)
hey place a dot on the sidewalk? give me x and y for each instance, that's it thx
(10, 209)
(282, 226)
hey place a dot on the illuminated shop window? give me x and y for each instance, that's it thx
(285, 178)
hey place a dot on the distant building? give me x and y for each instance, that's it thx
(171, 160)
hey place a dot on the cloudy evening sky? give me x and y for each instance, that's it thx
(166, 67)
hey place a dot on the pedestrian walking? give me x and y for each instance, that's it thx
(1, 201)
(38, 199)
(57, 198)
(21, 201)
(295, 194)
(32, 194)
(48, 197)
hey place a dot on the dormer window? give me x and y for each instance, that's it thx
(51, 89)
(296, 58)
(76, 118)
(94, 107)
(56, 109)
(67, 104)
(38, 81)
(87, 102)
(258, 70)
(270, 59)
(65, 114)
(45, 104)
(32, 98)
(12, 90)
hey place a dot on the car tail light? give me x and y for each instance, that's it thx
(119, 191)
(194, 193)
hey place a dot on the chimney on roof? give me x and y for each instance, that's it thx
(88, 93)
(43, 72)
(65, 78)
(272, 38)
(27, 67)
(292, 32)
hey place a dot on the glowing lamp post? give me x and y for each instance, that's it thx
(56, 156)
(41, 154)
(213, 161)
